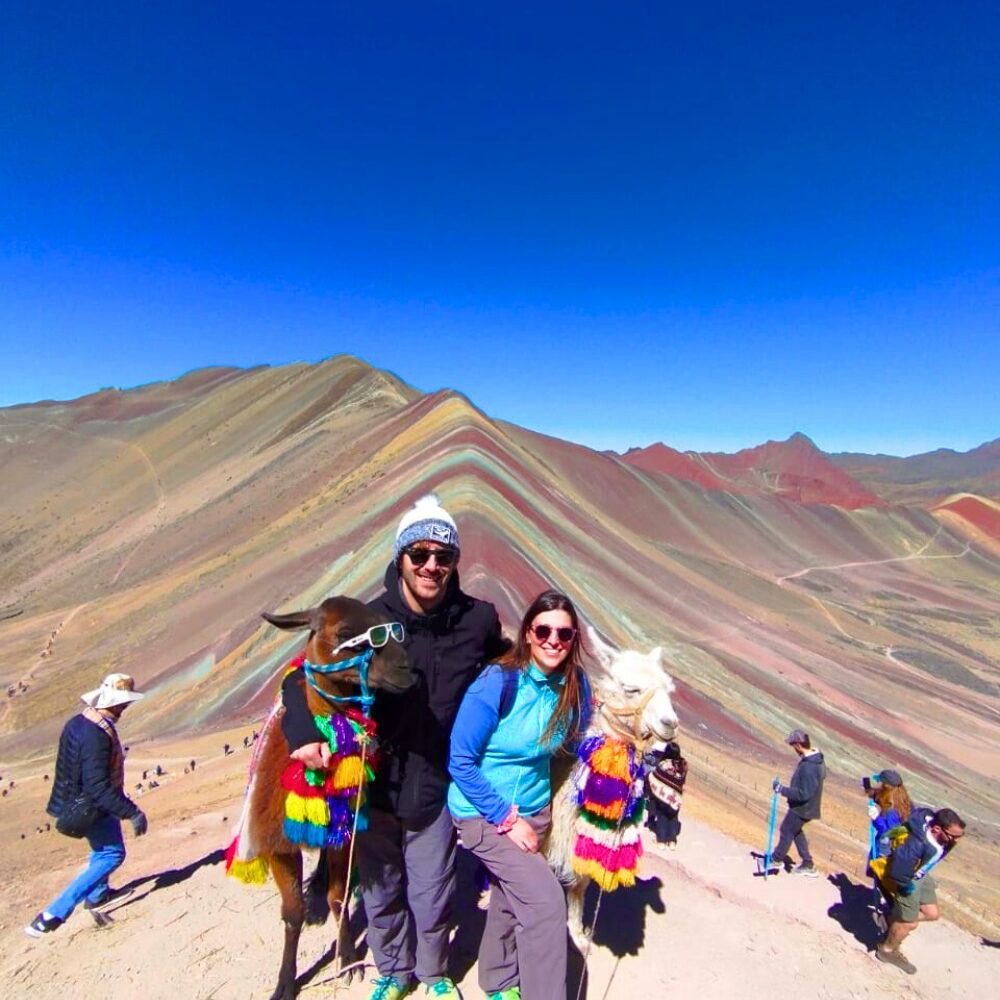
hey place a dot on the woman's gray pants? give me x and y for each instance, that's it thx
(524, 941)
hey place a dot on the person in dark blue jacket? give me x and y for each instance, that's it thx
(804, 794)
(930, 838)
(90, 768)
(512, 720)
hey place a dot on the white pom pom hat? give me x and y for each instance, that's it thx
(426, 521)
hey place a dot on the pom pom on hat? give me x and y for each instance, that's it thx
(426, 521)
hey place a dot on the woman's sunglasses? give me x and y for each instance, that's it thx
(564, 633)
(376, 637)
(419, 556)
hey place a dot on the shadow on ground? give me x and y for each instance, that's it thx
(618, 920)
(855, 911)
(166, 879)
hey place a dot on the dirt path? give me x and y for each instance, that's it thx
(912, 557)
(699, 925)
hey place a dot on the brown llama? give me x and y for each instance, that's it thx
(341, 631)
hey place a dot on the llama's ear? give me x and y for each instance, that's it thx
(604, 655)
(295, 621)
(657, 656)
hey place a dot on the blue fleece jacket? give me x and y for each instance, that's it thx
(494, 762)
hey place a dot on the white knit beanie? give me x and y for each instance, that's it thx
(425, 521)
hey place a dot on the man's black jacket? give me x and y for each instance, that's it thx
(84, 765)
(446, 650)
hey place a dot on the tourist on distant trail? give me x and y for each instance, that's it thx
(88, 798)
(665, 777)
(804, 793)
(512, 720)
(406, 857)
(930, 837)
(889, 807)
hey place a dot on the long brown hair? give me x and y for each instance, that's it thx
(565, 721)
(894, 797)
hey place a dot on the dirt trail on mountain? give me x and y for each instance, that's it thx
(700, 924)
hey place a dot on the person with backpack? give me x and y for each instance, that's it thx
(88, 800)
(889, 807)
(804, 794)
(513, 719)
(929, 838)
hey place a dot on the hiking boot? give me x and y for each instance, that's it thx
(391, 988)
(806, 868)
(511, 993)
(108, 897)
(896, 958)
(43, 925)
(444, 987)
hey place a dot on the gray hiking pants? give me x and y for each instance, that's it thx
(524, 941)
(407, 876)
(792, 829)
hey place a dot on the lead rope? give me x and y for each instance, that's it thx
(597, 910)
(341, 969)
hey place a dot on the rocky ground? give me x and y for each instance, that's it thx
(700, 923)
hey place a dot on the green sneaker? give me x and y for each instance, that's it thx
(444, 987)
(511, 993)
(391, 988)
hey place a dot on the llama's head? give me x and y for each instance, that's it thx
(634, 689)
(341, 629)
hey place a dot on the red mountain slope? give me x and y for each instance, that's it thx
(794, 469)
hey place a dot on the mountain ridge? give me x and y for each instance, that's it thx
(151, 542)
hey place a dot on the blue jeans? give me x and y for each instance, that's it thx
(107, 852)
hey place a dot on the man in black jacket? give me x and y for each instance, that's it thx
(89, 777)
(406, 857)
(804, 794)
(930, 837)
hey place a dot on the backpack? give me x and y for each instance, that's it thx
(508, 692)
(877, 867)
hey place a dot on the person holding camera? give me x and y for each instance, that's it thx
(803, 793)
(88, 798)
(889, 808)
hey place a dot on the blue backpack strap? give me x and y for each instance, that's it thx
(509, 691)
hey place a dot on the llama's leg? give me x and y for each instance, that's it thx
(574, 913)
(338, 879)
(287, 872)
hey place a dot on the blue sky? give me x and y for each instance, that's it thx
(613, 223)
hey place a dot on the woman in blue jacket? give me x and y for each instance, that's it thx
(514, 717)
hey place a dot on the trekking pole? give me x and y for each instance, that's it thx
(770, 831)
(872, 855)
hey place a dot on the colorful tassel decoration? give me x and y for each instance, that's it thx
(253, 871)
(322, 806)
(609, 795)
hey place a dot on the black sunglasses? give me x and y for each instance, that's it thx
(564, 633)
(420, 555)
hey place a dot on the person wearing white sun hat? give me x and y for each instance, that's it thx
(88, 800)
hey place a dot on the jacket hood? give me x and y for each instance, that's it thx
(919, 820)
